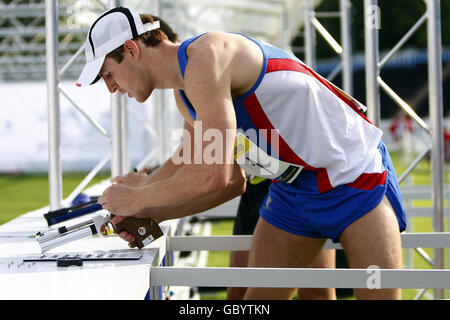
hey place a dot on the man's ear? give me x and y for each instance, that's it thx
(132, 48)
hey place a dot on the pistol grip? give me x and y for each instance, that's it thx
(144, 230)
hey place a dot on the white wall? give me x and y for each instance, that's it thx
(24, 132)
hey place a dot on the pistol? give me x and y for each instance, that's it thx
(145, 231)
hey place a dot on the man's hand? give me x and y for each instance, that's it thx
(126, 187)
(121, 200)
(124, 235)
(132, 179)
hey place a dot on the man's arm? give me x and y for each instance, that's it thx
(208, 86)
(235, 187)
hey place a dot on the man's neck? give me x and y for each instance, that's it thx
(164, 59)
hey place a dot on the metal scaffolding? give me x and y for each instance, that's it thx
(22, 39)
(374, 82)
(344, 50)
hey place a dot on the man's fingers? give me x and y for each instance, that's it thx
(145, 170)
(127, 237)
(116, 179)
(124, 235)
(117, 219)
(100, 200)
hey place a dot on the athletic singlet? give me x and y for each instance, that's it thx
(296, 120)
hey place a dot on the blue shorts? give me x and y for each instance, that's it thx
(300, 208)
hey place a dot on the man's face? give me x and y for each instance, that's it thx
(125, 77)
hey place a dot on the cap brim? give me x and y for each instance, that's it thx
(90, 75)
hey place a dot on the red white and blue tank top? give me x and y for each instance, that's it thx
(302, 122)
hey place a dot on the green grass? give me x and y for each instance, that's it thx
(21, 193)
(220, 258)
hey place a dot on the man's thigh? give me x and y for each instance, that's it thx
(374, 239)
(276, 248)
(325, 259)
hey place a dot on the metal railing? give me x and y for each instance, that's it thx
(372, 277)
(374, 82)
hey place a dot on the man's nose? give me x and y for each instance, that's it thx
(112, 86)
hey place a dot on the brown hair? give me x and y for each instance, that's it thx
(150, 38)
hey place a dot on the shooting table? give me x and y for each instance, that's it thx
(107, 279)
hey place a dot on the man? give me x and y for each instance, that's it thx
(238, 95)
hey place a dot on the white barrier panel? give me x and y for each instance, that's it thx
(300, 278)
(242, 243)
(371, 278)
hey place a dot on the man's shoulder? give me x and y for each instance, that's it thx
(211, 42)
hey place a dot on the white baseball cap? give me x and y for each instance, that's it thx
(106, 34)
